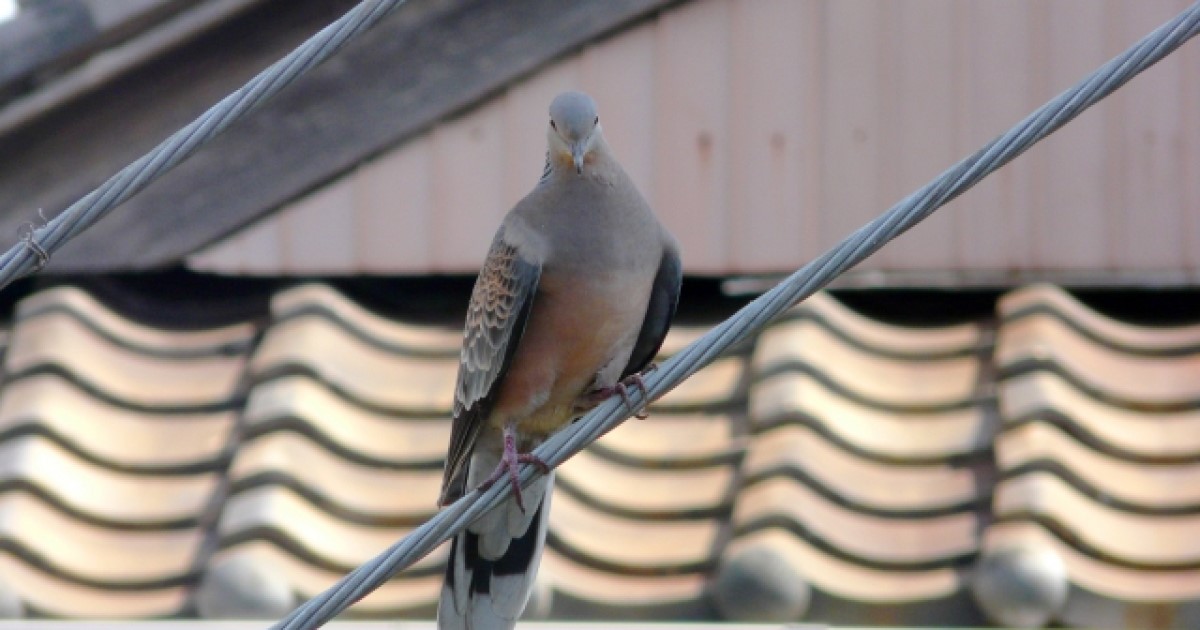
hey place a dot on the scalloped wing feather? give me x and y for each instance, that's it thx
(496, 317)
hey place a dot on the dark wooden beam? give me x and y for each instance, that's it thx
(40, 33)
(430, 60)
(50, 34)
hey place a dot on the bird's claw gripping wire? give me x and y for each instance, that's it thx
(510, 462)
(621, 388)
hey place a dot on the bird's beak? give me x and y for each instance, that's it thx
(578, 152)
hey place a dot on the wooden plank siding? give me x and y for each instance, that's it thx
(47, 35)
(763, 132)
(431, 60)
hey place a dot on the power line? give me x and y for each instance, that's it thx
(36, 247)
(751, 318)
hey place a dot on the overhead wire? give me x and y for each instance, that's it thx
(751, 318)
(37, 245)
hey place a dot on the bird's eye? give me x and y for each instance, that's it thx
(597, 121)
(553, 126)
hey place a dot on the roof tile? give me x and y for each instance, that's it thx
(285, 517)
(301, 403)
(583, 591)
(1045, 300)
(859, 374)
(1109, 533)
(857, 454)
(1097, 456)
(711, 439)
(95, 493)
(653, 546)
(853, 581)
(1045, 396)
(796, 451)
(92, 555)
(368, 494)
(50, 595)
(797, 397)
(68, 300)
(1154, 383)
(1105, 579)
(1136, 486)
(113, 436)
(646, 491)
(364, 372)
(55, 341)
(405, 594)
(400, 337)
(887, 339)
(889, 541)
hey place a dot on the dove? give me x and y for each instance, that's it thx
(574, 299)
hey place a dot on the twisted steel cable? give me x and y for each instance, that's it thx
(751, 318)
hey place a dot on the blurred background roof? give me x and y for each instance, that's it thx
(1035, 464)
(262, 405)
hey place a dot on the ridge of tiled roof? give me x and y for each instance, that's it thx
(1045, 397)
(1094, 512)
(840, 488)
(1050, 301)
(1118, 378)
(837, 468)
(114, 435)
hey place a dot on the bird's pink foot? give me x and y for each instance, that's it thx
(622, 389)
(510, 462)
(636, 379)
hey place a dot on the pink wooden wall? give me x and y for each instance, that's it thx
(763, 131)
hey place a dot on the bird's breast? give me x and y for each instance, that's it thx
(577, 326)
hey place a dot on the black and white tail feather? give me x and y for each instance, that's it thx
(493, 563)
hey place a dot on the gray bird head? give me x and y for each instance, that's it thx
(574, 128)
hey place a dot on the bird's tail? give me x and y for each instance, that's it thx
(494, 562)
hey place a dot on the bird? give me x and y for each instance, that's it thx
(578, 289)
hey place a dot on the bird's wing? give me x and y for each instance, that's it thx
(496, 317)
(664, 298)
